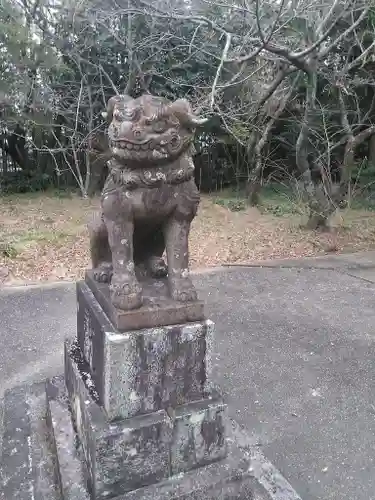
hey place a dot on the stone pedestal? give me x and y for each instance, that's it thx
(148, 420)
(143, 370)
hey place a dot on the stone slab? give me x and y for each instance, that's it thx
(26, 460)
(45, 485)
(16, 473)
(156, 368)
(68, 462)
(199, 434)
(120, 455)
(93, 326)
(145, 370)
(158, 308)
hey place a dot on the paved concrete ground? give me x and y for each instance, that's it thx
(294, 353)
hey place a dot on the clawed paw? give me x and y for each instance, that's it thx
(182, 290)
(126, 292)
(103, 273)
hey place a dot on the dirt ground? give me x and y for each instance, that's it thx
(44, 237)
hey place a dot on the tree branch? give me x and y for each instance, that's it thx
(343, 35)
(219, 69)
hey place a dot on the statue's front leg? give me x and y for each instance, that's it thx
(126, 293)
(101, 257)
(176, 238)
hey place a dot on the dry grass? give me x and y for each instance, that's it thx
(44, 237)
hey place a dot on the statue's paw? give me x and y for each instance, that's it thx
(103, 273)
(157, 267)
(126, 292)
(182, 290)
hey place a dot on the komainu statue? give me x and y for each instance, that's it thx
(149, 199)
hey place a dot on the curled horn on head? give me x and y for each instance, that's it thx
(108, 114)
(182, 110)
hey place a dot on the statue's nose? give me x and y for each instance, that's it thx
(125, 129)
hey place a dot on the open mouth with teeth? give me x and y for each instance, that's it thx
(152, 149)
(133, 146)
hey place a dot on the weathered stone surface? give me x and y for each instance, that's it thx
(92, 327)
(26, 461)
(155, 368)
(145, 370)
(199, 434)
(16, 473)
(120, 456)
(149, 198)
(157, 309)
(229, 479)
(64, 442)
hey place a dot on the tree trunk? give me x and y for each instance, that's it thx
(253, 183)
(317, 221)
(17, 148)
(253, 189)
(255, 180)
(317, 211)
(4, 154)
(348, 162)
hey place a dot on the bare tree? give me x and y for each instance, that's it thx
(262, 45)
(246, 62)
(322, 34)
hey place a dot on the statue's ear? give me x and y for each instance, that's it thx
(181, 106)
(182, 110)
(108, 114)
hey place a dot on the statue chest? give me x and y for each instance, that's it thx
(151, 203)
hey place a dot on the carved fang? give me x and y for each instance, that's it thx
(157, 155)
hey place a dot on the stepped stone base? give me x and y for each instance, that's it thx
(41, 459)
(228, 479)
(124, 454)
(134, 417)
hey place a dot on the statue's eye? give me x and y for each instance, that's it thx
(118, 115)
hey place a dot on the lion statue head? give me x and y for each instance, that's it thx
(149, 130)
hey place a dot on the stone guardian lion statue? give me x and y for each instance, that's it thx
(149, 199)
